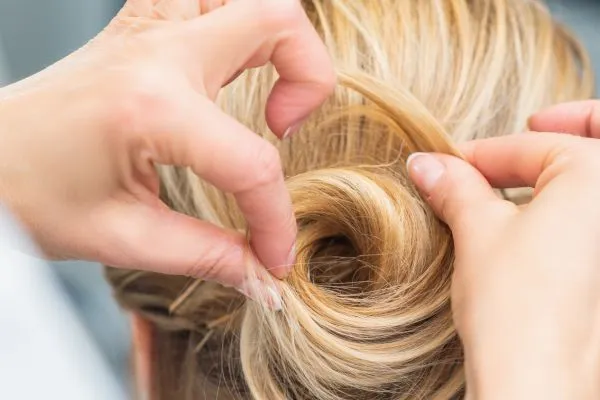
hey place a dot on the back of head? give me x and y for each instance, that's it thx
(366, 309)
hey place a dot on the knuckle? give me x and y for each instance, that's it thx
(572, 152)
(568, 149)
(267, 165)
(568, 153)
(137, 102)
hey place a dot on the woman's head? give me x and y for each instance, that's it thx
(366, 309)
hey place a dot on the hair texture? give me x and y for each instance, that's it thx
(367, 310)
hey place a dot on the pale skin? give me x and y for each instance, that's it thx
(79, 141)
(527, 279)
(82, 137)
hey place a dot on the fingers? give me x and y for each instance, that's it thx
(456, 191)
(250, 33)
(517, 160)
(160, 240)
(577, 118)
(225, 153)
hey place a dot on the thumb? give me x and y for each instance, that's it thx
(456, 191)
(157, 239)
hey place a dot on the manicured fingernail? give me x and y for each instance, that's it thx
(292, 130)
(425, 170)
(291, 261)
(263, 292)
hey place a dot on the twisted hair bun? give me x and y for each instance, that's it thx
(367, 311)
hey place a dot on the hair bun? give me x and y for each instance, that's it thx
(367, 305)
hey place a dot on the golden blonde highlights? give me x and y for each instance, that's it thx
(367, 310)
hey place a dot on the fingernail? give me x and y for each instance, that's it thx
(263, 293)
(291, 260)
(274, 299)
(425, 170)
(292, 130)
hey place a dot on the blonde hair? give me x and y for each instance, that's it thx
(367, 307)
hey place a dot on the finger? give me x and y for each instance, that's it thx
(247, 34)
(516, 160)
(156, 239)
(456, 191)
(227, 154)
(577, 118)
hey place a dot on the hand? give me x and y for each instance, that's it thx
(79, 141)
(526, 286)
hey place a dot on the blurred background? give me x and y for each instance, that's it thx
(35, 33)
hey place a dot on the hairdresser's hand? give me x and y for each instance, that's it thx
(526, 289)
(79, 141)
